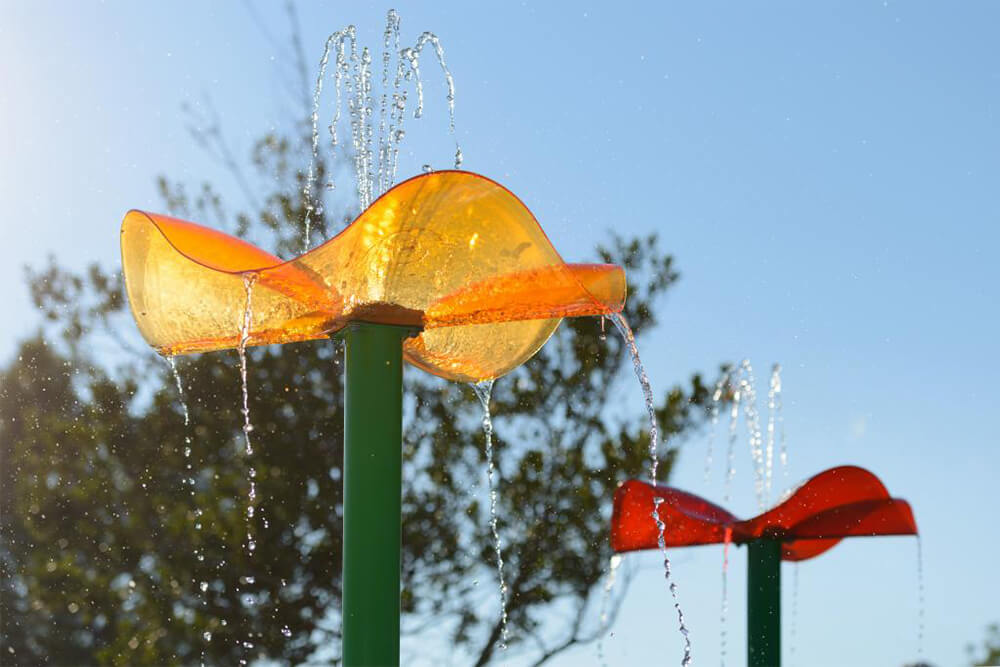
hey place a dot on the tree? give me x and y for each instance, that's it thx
(989, 652)
(123, 530)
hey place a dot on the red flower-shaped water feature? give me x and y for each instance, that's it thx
(846, 501)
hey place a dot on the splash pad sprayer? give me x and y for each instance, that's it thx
(447, 270)
(841, 502)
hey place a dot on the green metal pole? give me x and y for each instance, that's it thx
(764, 603)
(373, 413)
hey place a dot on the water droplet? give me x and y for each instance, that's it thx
(286, 632)
(623, 328)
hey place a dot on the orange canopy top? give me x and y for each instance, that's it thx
(846, 501)
(451, 253)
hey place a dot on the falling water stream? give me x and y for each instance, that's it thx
(483, 391)
(609, 584)
(189, 480)
(249, 279)
(172, 362)
(647, 392)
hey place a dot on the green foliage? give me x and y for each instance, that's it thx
(110, 530)
(989, 652)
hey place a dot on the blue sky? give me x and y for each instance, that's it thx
(825, 174)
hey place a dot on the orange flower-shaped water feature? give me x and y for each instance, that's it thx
(451, 252)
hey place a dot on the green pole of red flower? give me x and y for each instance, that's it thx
(764, 603)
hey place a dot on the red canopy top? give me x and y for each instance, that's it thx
(846, 501)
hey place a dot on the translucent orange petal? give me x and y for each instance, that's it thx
(451, 252)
